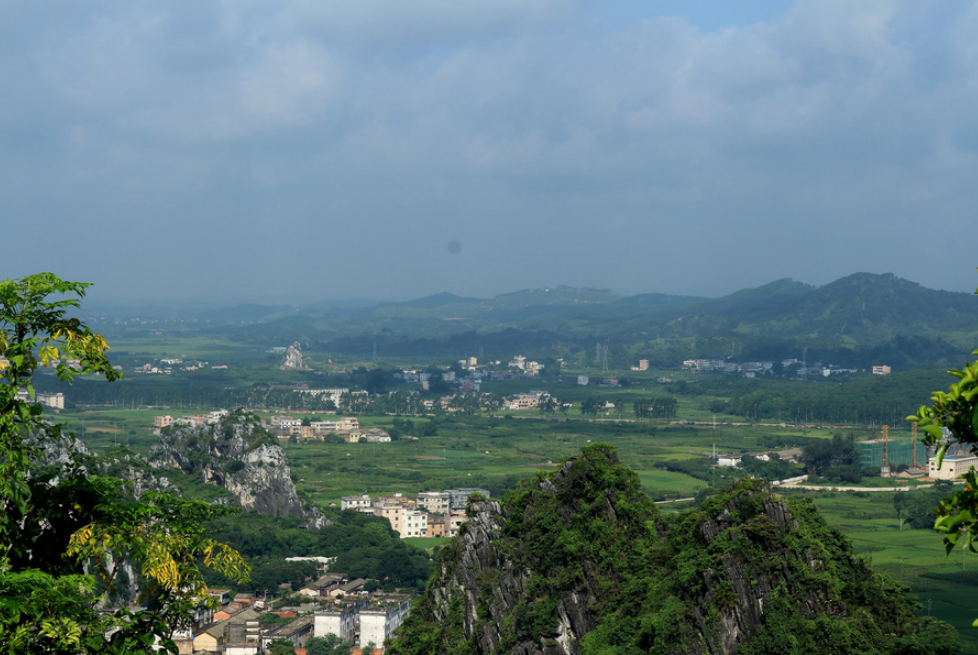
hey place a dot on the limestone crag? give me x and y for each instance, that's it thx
(581, 561)
(239, 455)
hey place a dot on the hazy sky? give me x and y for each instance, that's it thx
(386, 149)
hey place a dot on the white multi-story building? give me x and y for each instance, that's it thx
(377, 624)
(341, 621)
(952, 467)
(436, 502)
(414, 523)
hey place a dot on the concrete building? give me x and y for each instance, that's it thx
(377, 623)
(341, 620)
(414, 523)
(459, 497)
(295, 632)
(355, 502)
(436, 502)
(953, 466)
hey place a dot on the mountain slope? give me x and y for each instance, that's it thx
(581, 562)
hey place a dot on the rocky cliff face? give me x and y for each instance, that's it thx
(240, 456)
(582, 562)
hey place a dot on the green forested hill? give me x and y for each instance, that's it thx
(857, 321)
(581, 562)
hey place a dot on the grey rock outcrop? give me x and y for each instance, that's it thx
(239, 455)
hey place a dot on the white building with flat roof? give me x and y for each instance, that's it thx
(952, 467)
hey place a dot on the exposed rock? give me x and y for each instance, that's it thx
(582, 561)
(237, 454)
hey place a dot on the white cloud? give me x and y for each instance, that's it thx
(850, 112)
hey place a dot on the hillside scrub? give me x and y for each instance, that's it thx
(579, 561)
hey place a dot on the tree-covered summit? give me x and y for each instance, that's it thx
(579, 561)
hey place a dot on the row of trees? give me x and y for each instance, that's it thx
(664, 407)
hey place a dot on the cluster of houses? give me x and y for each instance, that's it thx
(528, 400)
(753, 369)
(284, 426)
(347, 428)
(430, 514)
(210, 418)
(516, 368)
(52, 400)
(240, 625)
(165, 367)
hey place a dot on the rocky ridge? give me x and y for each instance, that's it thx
(240, 456)
(581, 561)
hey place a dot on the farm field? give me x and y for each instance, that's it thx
(495, 452)
(947, 587)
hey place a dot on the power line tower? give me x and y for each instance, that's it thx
(913, 444)
(604, 359)
(885, 469)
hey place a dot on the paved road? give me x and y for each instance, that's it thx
(818, 487)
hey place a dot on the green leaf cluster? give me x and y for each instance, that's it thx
(57, 521)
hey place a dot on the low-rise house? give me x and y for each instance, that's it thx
(348, 588)
(210, 639)
(295, 632)
(436, 502)
(414, 523)
(455, 521)
(355, 502)
(437, 525)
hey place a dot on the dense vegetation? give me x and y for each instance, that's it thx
(584, 546)
(66, 534)
(364, 547)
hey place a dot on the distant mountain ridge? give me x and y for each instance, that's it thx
(856, 319)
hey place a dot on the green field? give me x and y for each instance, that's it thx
(495, 452)
(946, 587)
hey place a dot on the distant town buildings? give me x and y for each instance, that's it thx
(529, 368)
(346, 610)
(881, 370)
(528, 400)
(52, 400)
(210, 418)
(431, 514)
(753, 369)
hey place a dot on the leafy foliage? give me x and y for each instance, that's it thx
(365, 547)
(328, 645)
(820, 456)
(951, 421)
(56, 519)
